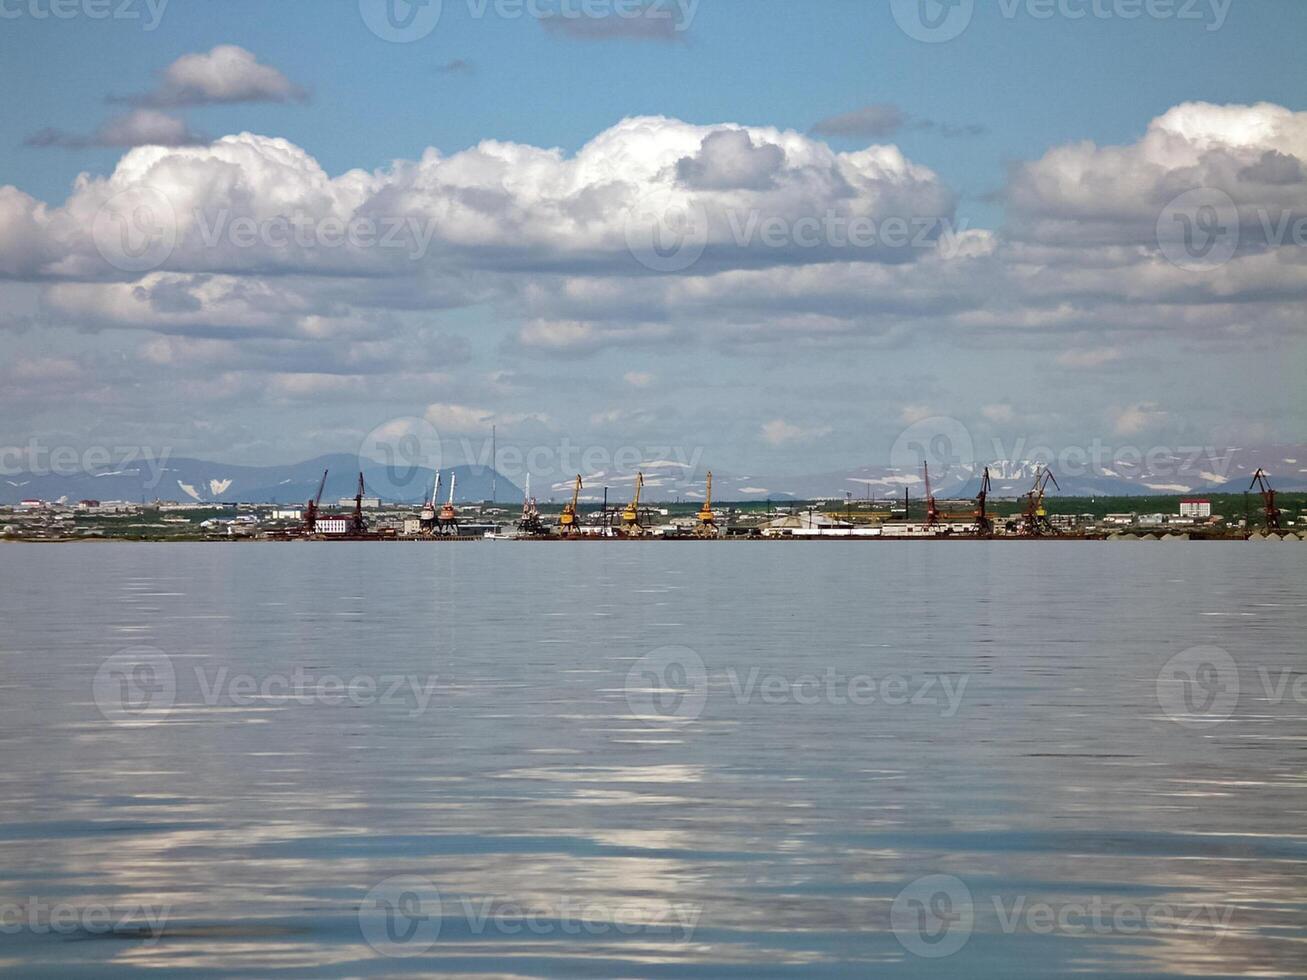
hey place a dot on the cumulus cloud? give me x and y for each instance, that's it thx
(224, 75)
(140, 127)
(1084, 194)
(547, 239)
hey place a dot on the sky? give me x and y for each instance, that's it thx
(774, 236)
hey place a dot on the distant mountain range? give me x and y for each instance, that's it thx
(193, 480)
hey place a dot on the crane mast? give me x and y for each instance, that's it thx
(984, 525)
(1034, 522)
(1269, 509)
(707, 526)
(568, 521)
(631, 526)
(311, 508)
(932, 510)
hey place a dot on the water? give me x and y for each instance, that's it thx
(900, 759)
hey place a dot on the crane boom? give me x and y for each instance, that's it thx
(1263, 485)
(631, 515)
(311, 510)
(707, 527)
(568, 520)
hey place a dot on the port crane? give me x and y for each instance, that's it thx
(1034, 522)
(569, 522)
(1263, 485)
(358, 526)
(311, 508)
(427, 517)
(530, 520)
(984, 524)
(707, 526)
(631, 526)
(448, 518)
(932, 509)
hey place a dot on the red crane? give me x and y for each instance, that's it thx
(311, 508)
(357, 526)
(1034, 522)
(1263, 485)
(932, 510)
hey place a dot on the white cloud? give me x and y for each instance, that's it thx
(1134, 419)
(451, 419)
(638, 379)
(225, 74)
(140, 127)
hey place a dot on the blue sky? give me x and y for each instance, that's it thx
(1065, 363)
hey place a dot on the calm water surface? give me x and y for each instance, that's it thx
(961, 760)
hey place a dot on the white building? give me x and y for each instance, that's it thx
(287, 514)
(1199, 509)
(332, 525)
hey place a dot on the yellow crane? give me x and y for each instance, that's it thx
(631, 526)
(569, 523)
(707, 526)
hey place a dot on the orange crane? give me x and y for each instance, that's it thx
(707, 526)
(1262, 484)
(569, 522)
(984, 525)
(311, 508)
(631, 526)
(1034, 522)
